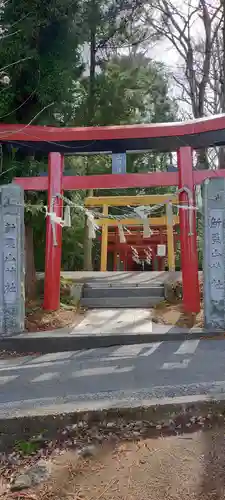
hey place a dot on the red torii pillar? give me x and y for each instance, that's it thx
(189, 251)
(53, 253)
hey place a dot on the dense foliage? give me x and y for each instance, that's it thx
(40, 51)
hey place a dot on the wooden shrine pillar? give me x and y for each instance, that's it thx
(188, 236)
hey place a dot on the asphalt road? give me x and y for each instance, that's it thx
(111, 376)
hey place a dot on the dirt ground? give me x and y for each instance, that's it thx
(187, 467)
(173, 314)
(37, 319)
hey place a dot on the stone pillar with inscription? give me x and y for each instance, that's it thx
(214, 253)
(12, 297)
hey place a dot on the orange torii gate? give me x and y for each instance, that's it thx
(182, 137)
(168, 220)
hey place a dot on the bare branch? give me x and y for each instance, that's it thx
(177, 26)
(6, 132)
(183, 86)
(21, 19)
(172, 37)
(14, 63)
(3, 36)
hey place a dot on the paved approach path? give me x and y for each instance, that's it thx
(121, 277)
(115, 376)
(113, 321)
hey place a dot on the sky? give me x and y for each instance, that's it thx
(164, 51)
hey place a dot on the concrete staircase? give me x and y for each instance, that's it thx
(100, 294)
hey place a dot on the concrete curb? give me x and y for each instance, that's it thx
(47, 342)
(44, 344)
(164, 417)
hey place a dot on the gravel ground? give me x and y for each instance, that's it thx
(118, 461)
(169, 468)
(190, 467)
(14, 354)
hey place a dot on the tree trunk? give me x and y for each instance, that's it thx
(202, 159)
(222, 148)
(30, 272)
(221, 156)
(88, 264)
(223, 68)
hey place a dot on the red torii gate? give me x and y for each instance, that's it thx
(182, 137)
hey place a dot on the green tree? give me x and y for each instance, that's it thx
(39, 51)
(129, 89)
(108, 23)
(133, 89)
(40, 58)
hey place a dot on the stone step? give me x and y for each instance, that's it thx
(120, 302)
(122, 284)
(123, 292)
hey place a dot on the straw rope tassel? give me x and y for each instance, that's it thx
(146, 228)
(67, 216)
(121, 234)
(91, 226)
